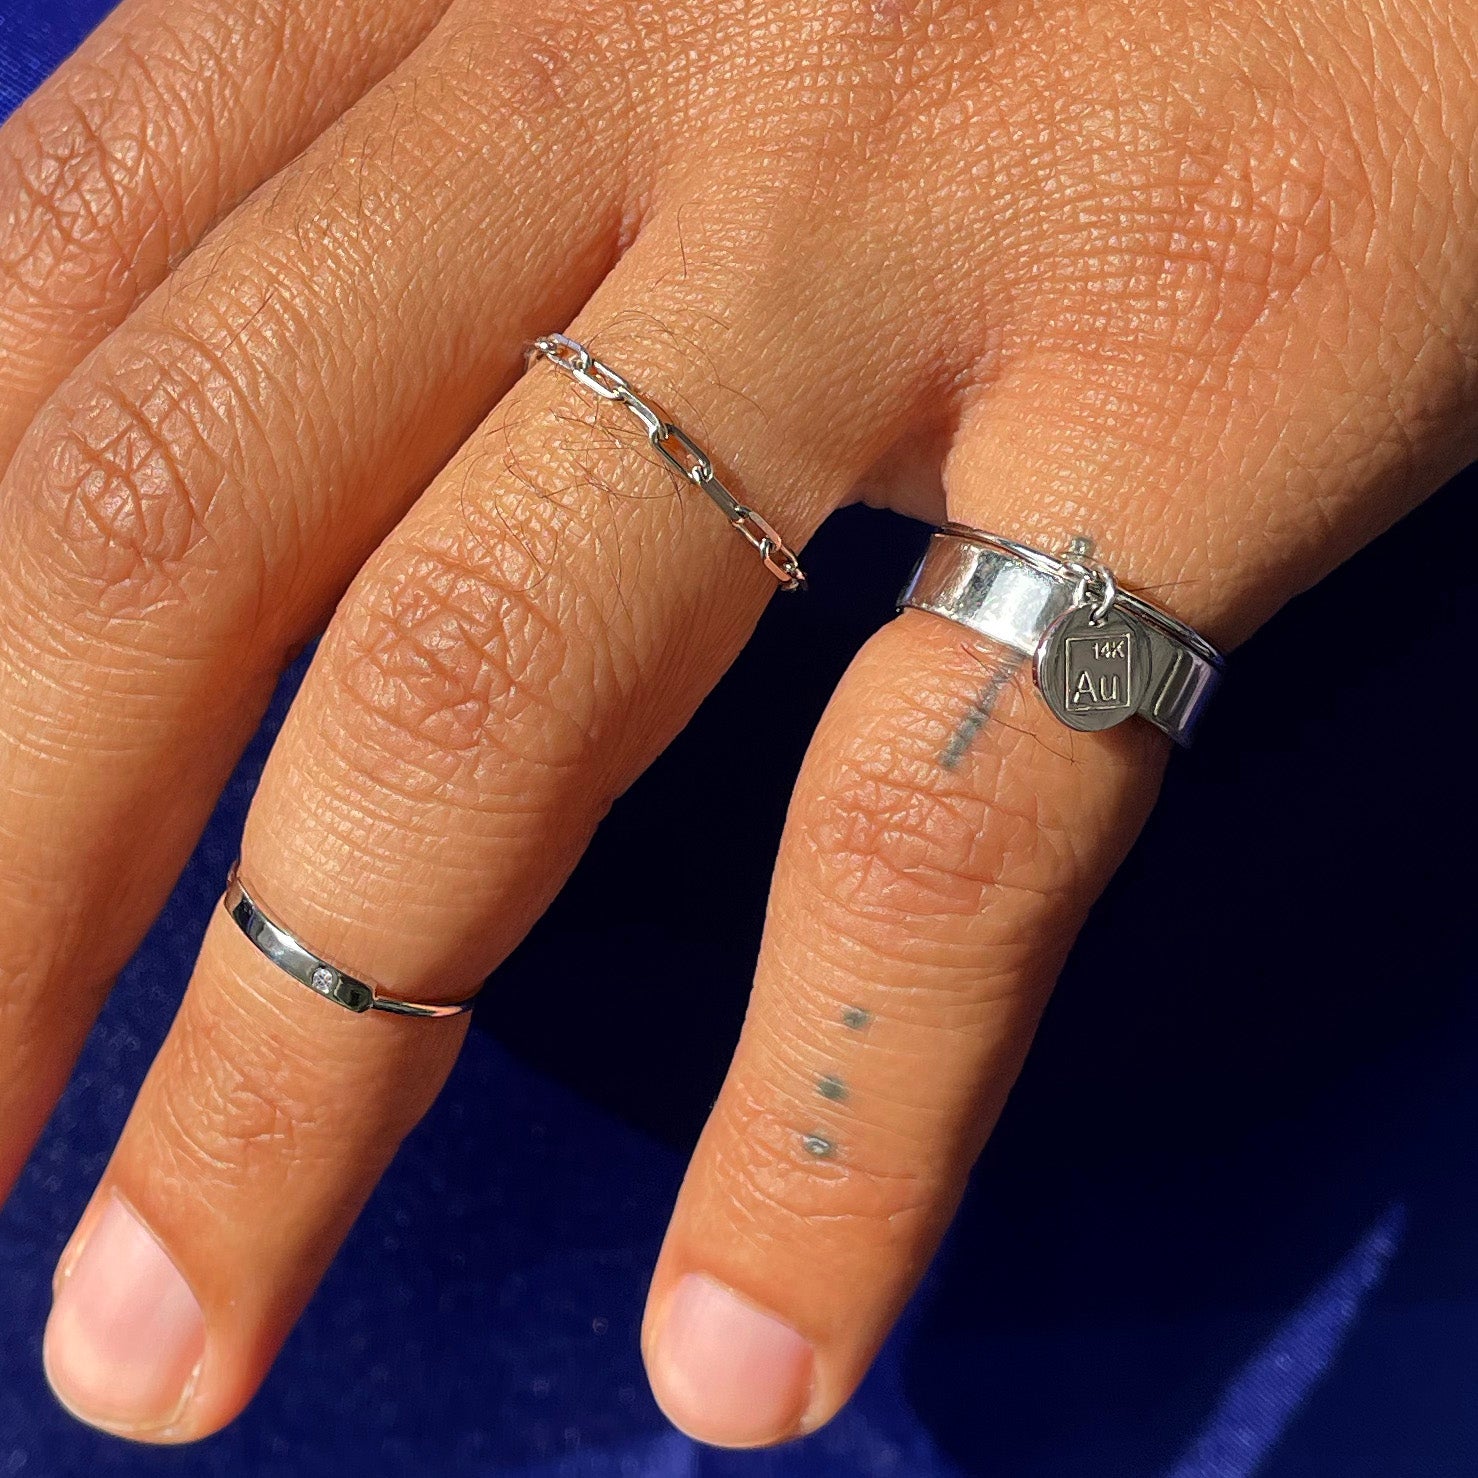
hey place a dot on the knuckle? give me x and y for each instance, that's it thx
(120, 511)
(539, 55)
(71, 190)
(136, 498)
(892, 837)
(249, 1091)
(444, 665)
(493, 637)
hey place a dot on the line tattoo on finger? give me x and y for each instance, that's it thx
(979, 712)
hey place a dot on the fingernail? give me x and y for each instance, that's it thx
(726, 1372)
(125, 1335)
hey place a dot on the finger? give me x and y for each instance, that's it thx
(166, 117)
(947, 837)
(188, 507)
(945, 842)
(127, 1346)
(537, 628)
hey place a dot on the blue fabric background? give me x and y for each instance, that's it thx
(1227, 1225)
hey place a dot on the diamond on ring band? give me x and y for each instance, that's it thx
(294, 958)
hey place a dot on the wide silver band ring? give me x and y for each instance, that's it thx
(294, 958)
(1034, 603)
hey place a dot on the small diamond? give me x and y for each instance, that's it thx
(324, 980)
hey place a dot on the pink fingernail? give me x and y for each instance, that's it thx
(726, 1372)
(125, 1335)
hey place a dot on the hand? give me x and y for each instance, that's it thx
(1197, 281)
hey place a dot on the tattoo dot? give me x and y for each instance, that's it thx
(832, 1087)
(818, 1146)
(856, 1018)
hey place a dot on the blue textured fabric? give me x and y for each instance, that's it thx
(1227, 1227)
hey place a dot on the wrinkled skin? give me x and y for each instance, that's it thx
(1196, 279)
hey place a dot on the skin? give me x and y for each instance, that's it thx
(1199, 280)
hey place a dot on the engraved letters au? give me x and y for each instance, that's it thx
(1097, 672)
(1092, 673)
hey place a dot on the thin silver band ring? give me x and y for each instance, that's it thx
(294, 958)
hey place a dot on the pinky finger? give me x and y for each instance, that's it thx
(946, 841)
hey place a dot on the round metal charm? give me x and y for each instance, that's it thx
(1093, 675)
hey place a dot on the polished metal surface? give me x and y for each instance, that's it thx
(677, 449)
(296, 959)
(1067, 614)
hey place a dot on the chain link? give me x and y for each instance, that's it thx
(677, 449)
